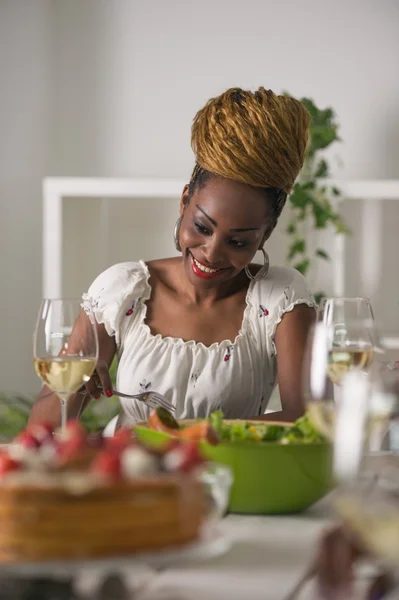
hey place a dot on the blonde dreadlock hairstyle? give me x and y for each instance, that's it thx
(256, 138)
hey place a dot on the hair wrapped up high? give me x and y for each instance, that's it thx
(257, 138)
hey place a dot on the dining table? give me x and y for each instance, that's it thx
(264, 558)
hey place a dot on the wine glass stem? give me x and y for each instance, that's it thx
(64, 410)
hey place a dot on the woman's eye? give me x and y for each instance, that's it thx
(201, 228)
(238, 243)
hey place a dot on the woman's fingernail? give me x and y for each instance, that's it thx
(109, 393)
(97, 396)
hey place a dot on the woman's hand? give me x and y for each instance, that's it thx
(100, 382)
(335, 562)
(337, 556)
(47, 405)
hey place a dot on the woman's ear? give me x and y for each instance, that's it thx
(185, 199)
(264, 239)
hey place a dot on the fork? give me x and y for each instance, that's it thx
(306, 576)
(152, 399)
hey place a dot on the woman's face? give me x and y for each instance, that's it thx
(223, 225)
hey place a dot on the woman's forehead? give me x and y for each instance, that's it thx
(232, 200)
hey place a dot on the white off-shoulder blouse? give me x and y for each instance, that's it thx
(236, 376)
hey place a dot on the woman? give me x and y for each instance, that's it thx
(210, 330)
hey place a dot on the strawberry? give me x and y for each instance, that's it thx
(183, 458)
(27, 440)
(74, 428)
(172, 445)
(192, 457)
(43, 432)
(7, 464)
(70, 448)
(121, 440)
(107, 463)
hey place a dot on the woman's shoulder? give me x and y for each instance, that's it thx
(283, 283)
(120, 278)
(115, 292)
(281, 277)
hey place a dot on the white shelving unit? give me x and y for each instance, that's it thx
(57, 191)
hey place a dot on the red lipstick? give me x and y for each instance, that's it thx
(203, 274)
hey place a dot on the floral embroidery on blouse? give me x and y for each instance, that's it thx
(91, 304)
(262, 311)
(228, 353)
(145, 385)
(131, 309)
(194, 378)
(286, 293)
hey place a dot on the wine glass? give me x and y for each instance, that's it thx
(341, 310)
(65, 348)
(366, 462)
(335, 346)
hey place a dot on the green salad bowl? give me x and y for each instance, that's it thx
(269, 478)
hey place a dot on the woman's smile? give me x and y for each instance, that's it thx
(204, 271)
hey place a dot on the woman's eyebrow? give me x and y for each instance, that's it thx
(235, 230)
(246, 229)
(207, 216)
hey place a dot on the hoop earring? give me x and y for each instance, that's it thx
(176, 234)
(262, 271)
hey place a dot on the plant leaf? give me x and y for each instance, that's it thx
(321, 169)
(322, 216)
(303, 266)
(322, 254)
(319, 297)
(299, 197)
(297, 247)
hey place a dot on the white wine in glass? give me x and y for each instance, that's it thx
(65, 348)
(334, 349)
(350, 323)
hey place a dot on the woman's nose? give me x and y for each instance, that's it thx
(214, 251)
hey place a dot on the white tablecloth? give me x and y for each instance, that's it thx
(267, 557)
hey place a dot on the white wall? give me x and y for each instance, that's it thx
(132, 74)
(127, 77)
(25, 52)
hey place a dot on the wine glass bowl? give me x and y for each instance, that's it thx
(65, 348)
(340, 310)
(351, 345)
(343, 338)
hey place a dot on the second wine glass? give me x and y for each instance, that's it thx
(333, 349)
(65, 348)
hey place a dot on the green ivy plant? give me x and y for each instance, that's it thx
(312, 199)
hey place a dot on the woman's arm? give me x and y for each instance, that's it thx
(47, 406)
(291, 337)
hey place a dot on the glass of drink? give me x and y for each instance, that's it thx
(335, 346)
(65, 348)
(366, 462)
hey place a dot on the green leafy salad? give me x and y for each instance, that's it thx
(303, 431)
